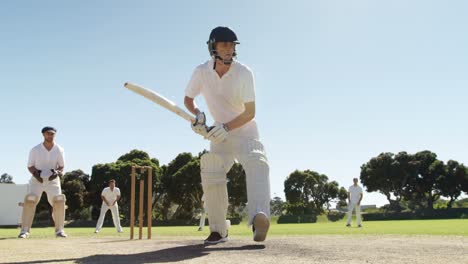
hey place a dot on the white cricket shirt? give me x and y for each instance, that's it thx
(226, 96)
(110, 195)
(355, 193)
(45, 160)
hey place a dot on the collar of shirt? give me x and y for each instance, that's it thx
(231, 70)
(44, 147)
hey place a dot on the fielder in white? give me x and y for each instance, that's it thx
(354, 202)
(110, 195)
(228, 89)
(46, 163)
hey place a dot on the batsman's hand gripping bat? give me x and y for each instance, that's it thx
(162, 101)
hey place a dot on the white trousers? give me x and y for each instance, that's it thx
(51, 188)
(115, 216)
(351, 207)
(251, 155)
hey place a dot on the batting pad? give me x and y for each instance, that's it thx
(213, 176)
(59, 212)
(257, 172)
(29, 208)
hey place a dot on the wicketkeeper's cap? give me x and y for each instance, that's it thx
(48, 129)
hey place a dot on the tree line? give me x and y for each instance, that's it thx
(414, 181)
(411, 181)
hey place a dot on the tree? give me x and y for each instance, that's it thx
(180, 161)
(423, 186)
(276, 206)
(186, 190)
(309, 192)
(389, 174)
(6, 178)
(121, 171)
(170, 184)
(237, 189)
(450, 183)
(341, 199)
(297, 188)
(415, 181)
(74, 187)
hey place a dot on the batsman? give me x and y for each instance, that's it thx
(227, 87)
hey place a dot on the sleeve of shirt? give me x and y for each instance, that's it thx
(103, 192)
(360, 190)
(194, 86)
(117, 192)
(248, 89)
(31, 159)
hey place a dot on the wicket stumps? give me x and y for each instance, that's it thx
(141, 208)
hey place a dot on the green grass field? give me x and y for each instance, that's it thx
(450, 227)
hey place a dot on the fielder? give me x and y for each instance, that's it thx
(110, 195)
(228, 89)
(354, 202)
(46, 163)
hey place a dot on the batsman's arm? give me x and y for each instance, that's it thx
(242, 119)
(190, 105)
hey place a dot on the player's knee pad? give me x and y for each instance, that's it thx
(254, 160)
(212, 169)
(59, 200)
(29, 208)
(255, 150)
(59, 211)
(213, 175)
(31, 199)
(257, 171)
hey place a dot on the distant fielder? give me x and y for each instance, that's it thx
(46, 163)
(228, 89)
(354, 202)
(110, 195)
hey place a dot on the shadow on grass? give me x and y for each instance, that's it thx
(5, 238)
(164, 255)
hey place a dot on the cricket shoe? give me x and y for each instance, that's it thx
(61, 234)
(215, 238)
(260, 227)
(23, 235)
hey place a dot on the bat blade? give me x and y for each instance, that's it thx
(160, 100)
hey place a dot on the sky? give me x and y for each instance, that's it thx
(337, 82)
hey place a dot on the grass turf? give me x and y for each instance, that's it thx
(322, 227)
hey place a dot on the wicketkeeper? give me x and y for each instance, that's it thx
(46, 163)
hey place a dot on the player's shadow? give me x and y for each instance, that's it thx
(159, 256)
(165, 255)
